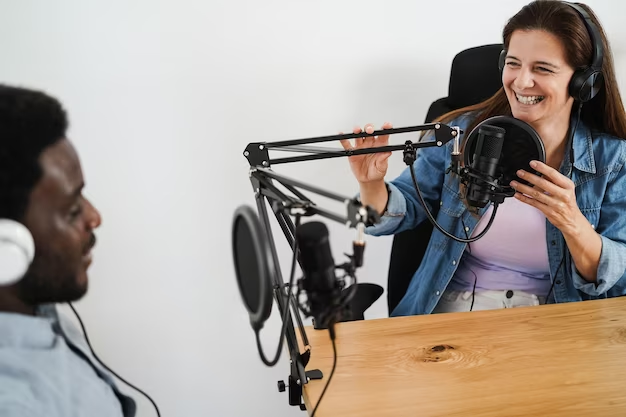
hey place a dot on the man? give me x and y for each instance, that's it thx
(46, 368)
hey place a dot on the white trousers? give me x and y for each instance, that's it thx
(458, 301)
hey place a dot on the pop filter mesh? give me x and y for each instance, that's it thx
(518, 150)
(246, 264)
(520, 146)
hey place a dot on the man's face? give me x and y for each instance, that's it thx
(62, 222)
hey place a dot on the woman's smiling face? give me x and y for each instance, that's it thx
(536, 77)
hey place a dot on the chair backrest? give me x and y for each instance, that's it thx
(474, 77)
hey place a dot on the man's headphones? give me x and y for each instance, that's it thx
(17, 250)
(586, 82)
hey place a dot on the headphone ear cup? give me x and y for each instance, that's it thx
(586, 84)
(17, 250)
(501, 59)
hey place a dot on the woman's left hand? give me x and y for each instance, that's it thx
(553, 194)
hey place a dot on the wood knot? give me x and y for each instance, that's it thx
(441, 348)
(466, 356)
(619, 336)
(437, 353)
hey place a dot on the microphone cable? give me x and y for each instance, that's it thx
(469, 249)
(331, 331)
(287, 307)
(434, 222)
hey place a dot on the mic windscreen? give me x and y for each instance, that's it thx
(488, 149)
(316, 257)
(484, 168)
(490, 139)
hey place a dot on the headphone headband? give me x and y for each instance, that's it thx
(586, 82)
(594, 33)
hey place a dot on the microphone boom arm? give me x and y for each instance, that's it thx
(356, 212)
(283, 206)
(257, 153)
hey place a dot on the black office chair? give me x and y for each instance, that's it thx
(474, 77)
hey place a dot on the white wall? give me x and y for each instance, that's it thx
(164, 96)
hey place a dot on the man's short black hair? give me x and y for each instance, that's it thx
(30, 121)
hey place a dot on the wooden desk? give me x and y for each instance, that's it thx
(552, 360)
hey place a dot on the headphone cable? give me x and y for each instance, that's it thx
(82, 326)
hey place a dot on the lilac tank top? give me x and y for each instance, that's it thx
(513, 254)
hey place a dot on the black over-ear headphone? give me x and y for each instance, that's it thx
(586, 82)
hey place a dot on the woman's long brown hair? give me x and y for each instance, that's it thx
(605, 112)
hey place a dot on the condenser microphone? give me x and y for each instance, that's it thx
(484, 167)
(319, 281)
(494, 151)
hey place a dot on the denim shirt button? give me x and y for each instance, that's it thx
(553, 242)
(453, 262)
(437, 293)
(467, 228)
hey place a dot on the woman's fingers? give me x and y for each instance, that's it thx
(358, 141)
(366, 141)
(347, 145)
(383, 140)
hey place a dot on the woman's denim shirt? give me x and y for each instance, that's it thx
(600, 181)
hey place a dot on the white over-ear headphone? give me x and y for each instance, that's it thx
(17, 250)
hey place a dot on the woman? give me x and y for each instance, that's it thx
(561, 239)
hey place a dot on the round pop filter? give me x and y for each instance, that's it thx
(521, 145)
(252, 261)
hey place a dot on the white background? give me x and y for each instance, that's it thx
(163, 97)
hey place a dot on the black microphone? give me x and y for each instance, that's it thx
(484, 167)
(319, 282)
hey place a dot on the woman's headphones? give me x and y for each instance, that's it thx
(586, 82)
(17, 250)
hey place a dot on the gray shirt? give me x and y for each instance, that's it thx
(46, 369)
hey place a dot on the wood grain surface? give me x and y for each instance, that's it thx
(551, 360)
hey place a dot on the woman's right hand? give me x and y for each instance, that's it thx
(368, 168)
